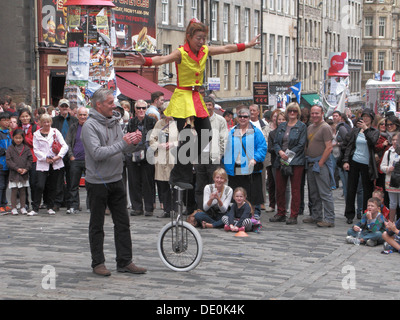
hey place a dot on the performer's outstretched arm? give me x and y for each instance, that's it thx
(231, 48)
(138, 59)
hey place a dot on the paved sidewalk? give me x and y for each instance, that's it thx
(281, 262)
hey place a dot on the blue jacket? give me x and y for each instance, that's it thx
(254, 143)
(5, 142)
(297, 143)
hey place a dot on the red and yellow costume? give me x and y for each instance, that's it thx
(186, 101)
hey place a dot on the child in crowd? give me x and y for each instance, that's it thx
(371, 225)
(391, 237)
(13, 123)
(239, 216)
(381, 196)
(19, 161)
(5, 142)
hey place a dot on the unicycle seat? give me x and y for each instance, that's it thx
(181, 185)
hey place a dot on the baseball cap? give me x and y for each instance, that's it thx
(63, 101)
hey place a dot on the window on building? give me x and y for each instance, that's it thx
(215, 68)
(256, 71)
(225, 23)
(382, 27)
(279, 55)
(256, 22)
(181, 13)
(381, 60)
(368, 61)
(226, 74)
(368, 26)
(287, 53)
(247, 25)
(194, 9)
(214, 21)
(165, 11)
(237, 75)
(271, 50)
(167, 67)
(236, 25)
(247, 76)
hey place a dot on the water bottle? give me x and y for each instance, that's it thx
(357, 239)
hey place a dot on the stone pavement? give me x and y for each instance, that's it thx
(281, 262)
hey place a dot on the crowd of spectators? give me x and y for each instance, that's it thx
(265, 158)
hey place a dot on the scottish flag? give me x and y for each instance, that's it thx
(296, 89)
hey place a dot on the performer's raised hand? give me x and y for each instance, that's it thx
(135, 59)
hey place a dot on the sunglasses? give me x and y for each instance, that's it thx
(292, 111)
(141, 108)
(243, 117)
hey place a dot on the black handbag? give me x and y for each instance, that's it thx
(286, 170)
(395, 176)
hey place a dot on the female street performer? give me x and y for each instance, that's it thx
(186, 104)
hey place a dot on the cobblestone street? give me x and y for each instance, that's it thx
(281, 262)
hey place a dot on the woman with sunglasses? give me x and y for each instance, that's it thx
(244, 156)
(187, 102)
(290, 135)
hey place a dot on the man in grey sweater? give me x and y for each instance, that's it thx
(104, 145)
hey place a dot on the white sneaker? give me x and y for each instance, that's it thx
(14, 211)
(32, 213)
(23, 211)
(51, 212)
(350, 239)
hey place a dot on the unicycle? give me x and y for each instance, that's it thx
(179, 244)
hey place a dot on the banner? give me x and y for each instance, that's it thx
(135, 24)
(338, 64)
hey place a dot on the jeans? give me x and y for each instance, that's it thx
(77, 167)
(321, 195)
(203, 216)
(113, 196)
(366, 235)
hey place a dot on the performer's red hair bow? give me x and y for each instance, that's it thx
(194, 20)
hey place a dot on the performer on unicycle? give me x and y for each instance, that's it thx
(186, 104)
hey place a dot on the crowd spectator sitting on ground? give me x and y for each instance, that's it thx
(217, 200)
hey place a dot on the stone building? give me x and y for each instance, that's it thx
(381, 38)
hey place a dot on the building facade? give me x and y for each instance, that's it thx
(280, 49)
(381, 38)
(342, 32)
